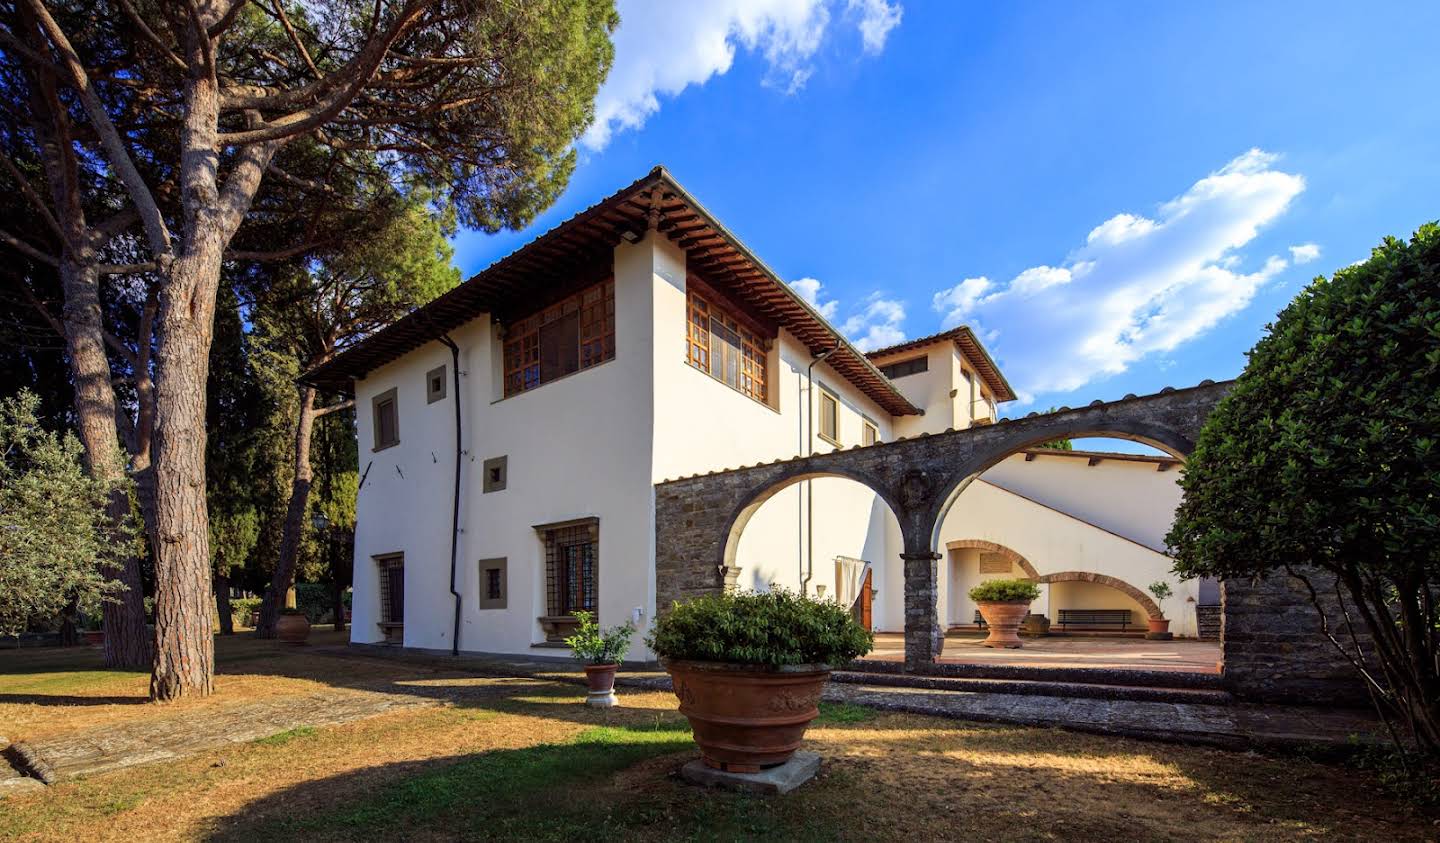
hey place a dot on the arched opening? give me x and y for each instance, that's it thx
(1084, 514)
(827, 535)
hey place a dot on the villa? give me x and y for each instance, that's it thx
(512, 433)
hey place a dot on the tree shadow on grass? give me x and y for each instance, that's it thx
(552, 791)
(70, 699)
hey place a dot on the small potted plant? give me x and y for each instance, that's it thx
(1003, 604)
(1159, 627)
(292, 627)
(748, 668)
(602, 650)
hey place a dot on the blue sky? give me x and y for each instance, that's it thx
(1109, 193)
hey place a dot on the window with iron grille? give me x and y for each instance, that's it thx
(392, 588)
(572, 566)
(724, 348)
(574, 333)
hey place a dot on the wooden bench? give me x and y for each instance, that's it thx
(1095, 617)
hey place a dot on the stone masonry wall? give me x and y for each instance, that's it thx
(1207, 621)
(1273, 647)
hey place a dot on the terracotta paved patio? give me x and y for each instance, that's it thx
(1069, 651)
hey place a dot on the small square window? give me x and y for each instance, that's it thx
(387, 420)
(496, 471)
(492, 583)
(435, 385)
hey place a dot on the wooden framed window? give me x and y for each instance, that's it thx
(901, 368)
(572, 567)
(725, 348)
(869, 433)
(574, 333)
(392, 588)
(829, 418)
(387, 420)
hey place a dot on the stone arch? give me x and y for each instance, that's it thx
(756, 498)
(1012, 556)
(1163, 437)
(1106, 580)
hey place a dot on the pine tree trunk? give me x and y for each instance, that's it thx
(184, 634)
(127, 640)
(294, 528)
(222, 604)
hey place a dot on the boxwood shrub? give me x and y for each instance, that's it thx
(1005, 591)
(770, 628)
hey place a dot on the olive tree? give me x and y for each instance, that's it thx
(1323, 463)
(56, 535)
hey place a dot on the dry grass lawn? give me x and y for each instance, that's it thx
(522, 758)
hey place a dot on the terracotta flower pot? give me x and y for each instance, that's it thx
(292, 629)
(1159, 629)
(601, 679)
(747, 717)
(1003, 620)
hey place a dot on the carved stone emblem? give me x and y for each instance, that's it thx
(914, 488)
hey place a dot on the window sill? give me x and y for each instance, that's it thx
(522, 393)
(824, 438)
(390, 624)
(378, 448)
(728, 388)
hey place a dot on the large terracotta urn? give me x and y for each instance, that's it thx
(292, 628)
(1003, 620)
(747, 717)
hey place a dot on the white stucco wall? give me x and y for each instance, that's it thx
(1053, 542)
(1130, 498)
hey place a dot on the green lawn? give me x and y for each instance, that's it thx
(524, 759)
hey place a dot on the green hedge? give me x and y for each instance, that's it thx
(771, 628)
(244, 610)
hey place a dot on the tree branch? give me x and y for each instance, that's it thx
(31, 195)
(343, 405)
(155, 228)
(28, 250)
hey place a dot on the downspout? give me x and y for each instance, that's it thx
(455, 501)
(809, 570)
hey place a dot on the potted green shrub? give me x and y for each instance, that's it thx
(1159, 627)
(292, 627)
(748, 669)
(1003, 604)
(602, 650)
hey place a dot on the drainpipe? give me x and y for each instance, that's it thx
(455, 501)
(808, 572)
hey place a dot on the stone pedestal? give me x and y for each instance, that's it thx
(775, 781)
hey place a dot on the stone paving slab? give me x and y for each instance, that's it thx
(167, 738)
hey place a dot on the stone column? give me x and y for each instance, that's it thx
(924, 639)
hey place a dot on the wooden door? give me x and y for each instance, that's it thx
(865, 593)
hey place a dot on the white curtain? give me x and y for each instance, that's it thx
(849, 576)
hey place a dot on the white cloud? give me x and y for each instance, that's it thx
(662, 48)
(877, 18)
(1138, 286)
(809, 290)
(1304, 253)
(877, 324)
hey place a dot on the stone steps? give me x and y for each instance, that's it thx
(1041, 687)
